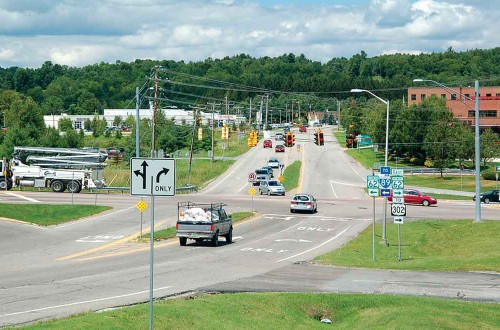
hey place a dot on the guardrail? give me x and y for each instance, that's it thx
(185, 189)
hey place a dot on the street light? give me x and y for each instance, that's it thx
(386, 102)
(477, 138)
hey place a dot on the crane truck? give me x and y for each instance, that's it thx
(55, 168)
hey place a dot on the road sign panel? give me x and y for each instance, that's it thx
(384, 192)
(386, 170)
(399, 220)
(141, 206)
(385, 182)
(252, 191)
(397, 193)
(398, 200)
(281, 178)
(498, 168)
(152, 176)
(372, 182)
(398, 171)
(398, 182)
(398, 209)
(252, 176)
(373, 192)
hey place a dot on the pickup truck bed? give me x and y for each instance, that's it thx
(203, 221)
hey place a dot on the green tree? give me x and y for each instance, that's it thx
(65, 124)
(489, 145)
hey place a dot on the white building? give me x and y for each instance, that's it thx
(180, 116)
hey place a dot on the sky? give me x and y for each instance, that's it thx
(78, 33)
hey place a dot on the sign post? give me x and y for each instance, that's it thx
(398, 207)
(372, 183)
(152, 177)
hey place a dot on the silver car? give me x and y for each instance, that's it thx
(273, 162)
(271, 187)
(303, 202)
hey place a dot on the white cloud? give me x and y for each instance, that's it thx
(86, 32)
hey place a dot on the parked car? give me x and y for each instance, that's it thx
(489, 196)
(413, 196)
(273, 162)
(268, 144)
(271, 187)
(302, 129)
(303, 202)
(279, 148)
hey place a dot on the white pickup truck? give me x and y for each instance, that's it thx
(199, 221)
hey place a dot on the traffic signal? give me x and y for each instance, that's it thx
(225, 132)
(293, 139)
(200, 133)
(316, 138)
(289, 140)
(321, 139)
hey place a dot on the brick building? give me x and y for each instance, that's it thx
(463, 107)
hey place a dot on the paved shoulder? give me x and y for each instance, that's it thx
(458, 285)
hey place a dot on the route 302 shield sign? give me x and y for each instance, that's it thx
(398, 210)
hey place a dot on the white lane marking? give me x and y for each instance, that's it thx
(333, 190)
(99, 238)
(267, 237)
(320, 217)
(98, 216)
(83, 302)
(292, 240)
(317, 246)
(230, 174)
(279, 218)
(348, 184)
(352, 168)
(243, 187)
(237, 238)
(23, 197)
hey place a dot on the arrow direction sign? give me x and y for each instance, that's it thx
(142, 174)
(152, 176)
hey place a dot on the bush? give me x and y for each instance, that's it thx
(488, 175)
(429, 163)
(416, 161)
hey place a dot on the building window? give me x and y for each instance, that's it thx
(488, 94)
(413, 97)
(78, 124)
(497, 94)
(484, 113)
(443, 96)
(467, 96)
(453, 96)
(422, 96)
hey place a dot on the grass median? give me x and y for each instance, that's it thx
(292, 310)
(436, 245)
(49, 214)
(291, 175)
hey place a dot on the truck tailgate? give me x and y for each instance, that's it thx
(194, 229)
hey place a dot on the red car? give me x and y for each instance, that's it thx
(413, 196)
(302, 129)
(279, 148)
(268, 144)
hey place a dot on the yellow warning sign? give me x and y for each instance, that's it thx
(281, 178)
(252, 191)
(141, 206)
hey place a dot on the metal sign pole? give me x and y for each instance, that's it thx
(151, 238)
(373, 230)
(252, 203)
(399, 242)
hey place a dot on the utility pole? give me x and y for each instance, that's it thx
(267, 110)
(137, 122)
(250, 116)
(155, 109)
(291, 119)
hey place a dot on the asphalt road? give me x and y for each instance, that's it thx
(91, 264)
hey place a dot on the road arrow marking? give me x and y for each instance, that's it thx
(237, 237)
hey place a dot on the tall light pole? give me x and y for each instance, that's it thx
(476, 134)
(386, 102)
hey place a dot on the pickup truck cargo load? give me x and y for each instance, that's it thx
(203, 221)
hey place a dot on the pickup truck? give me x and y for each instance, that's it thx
(203, 221)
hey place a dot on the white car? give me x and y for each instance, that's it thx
(271, 187)
(303, 202)
(273, 162)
